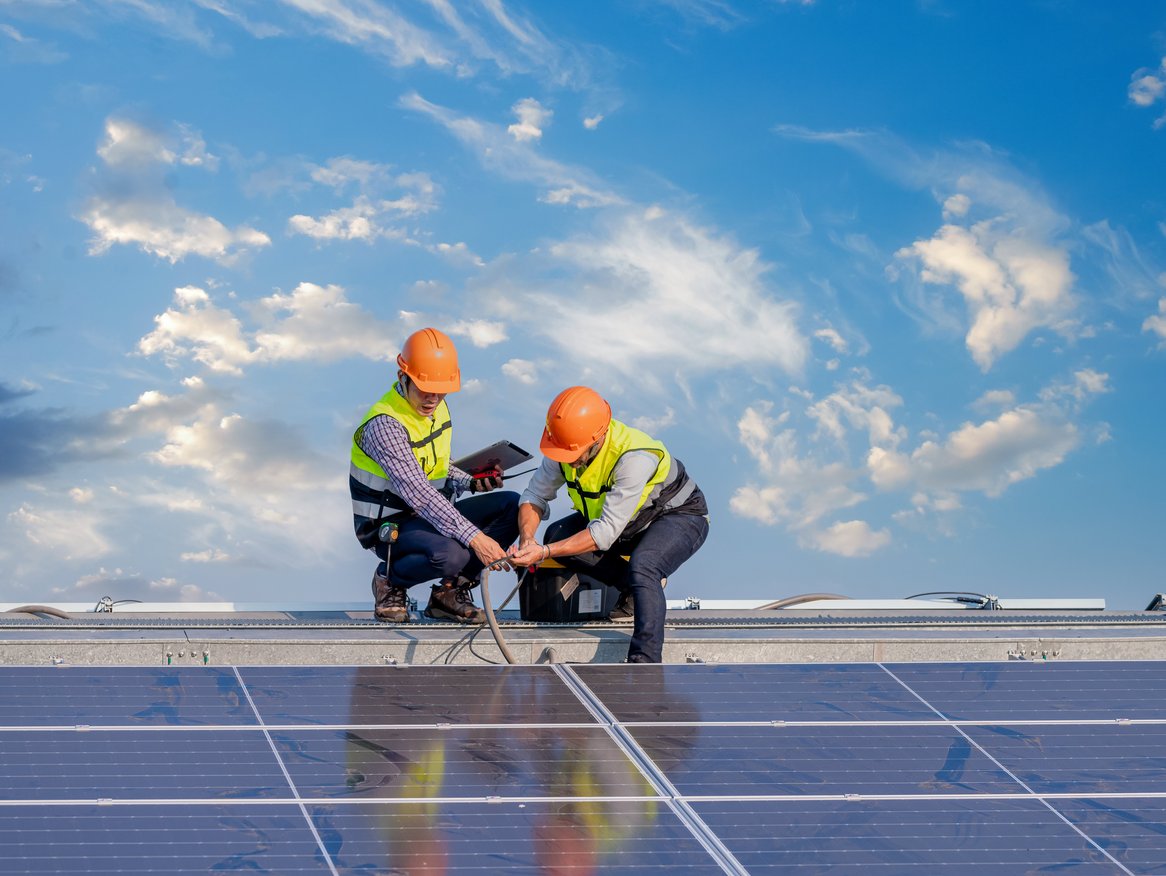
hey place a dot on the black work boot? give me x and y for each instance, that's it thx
(451, 600)
(389, 603)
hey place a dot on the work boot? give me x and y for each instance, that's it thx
(389, 601)
(451, 600)
(625, 610)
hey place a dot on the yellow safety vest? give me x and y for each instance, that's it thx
(430, 439)
(587, 489)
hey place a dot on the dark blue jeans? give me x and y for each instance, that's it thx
(421, 553)
(655, 553)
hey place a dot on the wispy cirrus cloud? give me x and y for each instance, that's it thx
(517, 159)
(650, 295)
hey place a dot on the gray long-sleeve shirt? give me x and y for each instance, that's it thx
(632, 472)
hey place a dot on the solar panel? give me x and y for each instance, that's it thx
(65, 696)
(855, 768)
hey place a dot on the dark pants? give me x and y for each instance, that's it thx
(421, 553)
(655, 553)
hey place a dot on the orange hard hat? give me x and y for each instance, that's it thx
(430, 359)
(575, 420)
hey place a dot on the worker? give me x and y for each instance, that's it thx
(403, 490)
(638, 515)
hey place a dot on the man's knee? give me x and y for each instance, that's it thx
(451, 558)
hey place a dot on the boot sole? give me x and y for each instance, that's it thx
(403, 619)
(445, 616)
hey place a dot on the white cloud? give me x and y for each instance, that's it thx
(956, 205)
(592, 122)
(1157, 324)
(653, 297)
(532, 118)
(210, 555)
(1147, 87)
(194, 327)
(481, 332)
(69, 533)
(1012, 284)
(169, 587)
(850, 538)
(371, 216)
(521, 370)
(139, 208)
(985, 457)
(798, 487)
(164, 229)
(994, 399)
(652, 425)
(129, 143)
(858, 406)
(1003, 245)
(311, 323)
(831, 337)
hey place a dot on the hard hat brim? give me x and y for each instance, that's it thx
(443, 386)
(551, 450)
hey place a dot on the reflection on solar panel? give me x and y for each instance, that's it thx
(990, 768)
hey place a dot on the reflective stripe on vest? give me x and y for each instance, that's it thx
(430, 439)
(588, 489)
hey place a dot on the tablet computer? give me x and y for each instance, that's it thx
(500, 455)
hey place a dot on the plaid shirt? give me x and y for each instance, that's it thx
(387, 443)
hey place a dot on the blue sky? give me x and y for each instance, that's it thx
(890, 278)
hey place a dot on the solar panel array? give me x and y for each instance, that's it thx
(932, 768)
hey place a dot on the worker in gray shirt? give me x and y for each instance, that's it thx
(632, 499)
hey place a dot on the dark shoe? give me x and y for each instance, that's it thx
(451, 600)
(624, 611)
(389, 601)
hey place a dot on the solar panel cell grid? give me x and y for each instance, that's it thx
(737, 761)
(137, 764)
(948, 837)
(366, 695)
(674, 693)
(1032, 690)
(37, 696)
(459, 762)
(612, 837)
(175, 840)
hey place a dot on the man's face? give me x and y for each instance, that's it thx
(424, 403)
(589, 454)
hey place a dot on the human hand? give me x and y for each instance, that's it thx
(489, 552)
(529, 553)
(485, 482)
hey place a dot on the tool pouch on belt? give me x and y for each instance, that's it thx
(383, 531)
